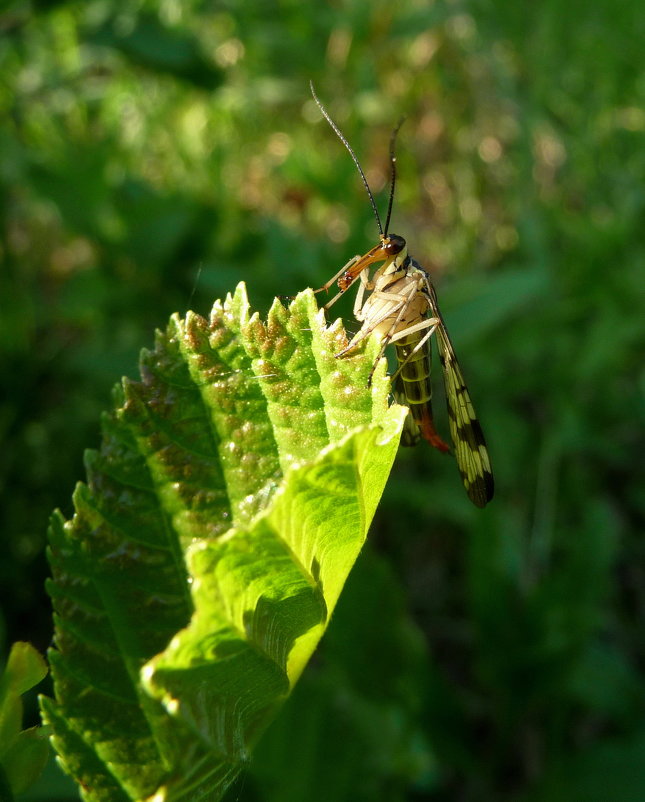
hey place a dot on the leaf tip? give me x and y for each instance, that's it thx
(237, 304)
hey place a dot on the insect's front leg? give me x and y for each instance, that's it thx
(366, 284)
(370, 323)
(374, 312)
(388, 306)
(336, 279)
(404, 300)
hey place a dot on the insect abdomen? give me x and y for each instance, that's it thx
(415, 373)
(413, 388)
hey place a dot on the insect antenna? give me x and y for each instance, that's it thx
(392, 174)
(343, 139)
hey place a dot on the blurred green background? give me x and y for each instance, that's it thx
(154, 153)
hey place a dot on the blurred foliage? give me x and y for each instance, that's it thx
(23, 753)
(153, 153)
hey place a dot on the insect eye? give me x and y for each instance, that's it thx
(393, 245)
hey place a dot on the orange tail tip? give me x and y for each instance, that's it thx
(429, 433)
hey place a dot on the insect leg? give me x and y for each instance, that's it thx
(431, 322)
(404, 300)
(371, 322)
(366, 284)
(335, 278)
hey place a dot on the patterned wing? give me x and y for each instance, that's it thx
(467, 436)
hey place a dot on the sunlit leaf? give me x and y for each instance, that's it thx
(230, 498)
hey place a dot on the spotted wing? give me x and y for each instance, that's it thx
(467, 436)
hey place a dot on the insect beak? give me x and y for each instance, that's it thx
(376, 254)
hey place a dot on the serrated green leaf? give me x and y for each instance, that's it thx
(230, 498)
